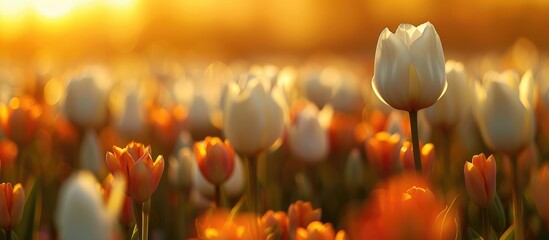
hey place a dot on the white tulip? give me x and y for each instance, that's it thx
(81, 211)
(200, 117)
(91, 155)
(253, 117)
(348, 96)
(504, 111)
(181, 168)
(451, 107)
(409, 67)
(307, 139)
(86, 99)
(321, 87)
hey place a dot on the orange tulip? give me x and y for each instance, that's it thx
(383, 151)
(8, 151)
(19, 119)
(215, 159)
(300, 214)
(539, 185)
(275, 225)
(427, 157)
(318, 231)
(135, 163)
(12, 204)
(480, 179)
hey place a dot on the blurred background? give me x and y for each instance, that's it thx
(73, 30)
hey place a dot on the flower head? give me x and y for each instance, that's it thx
(215, 159)
(19, 119)
(12, 204)
(409, 70)
(480, 179)
(427, 157)
(383, 151)
(135, 163)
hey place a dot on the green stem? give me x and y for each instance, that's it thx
(137, 213)
(415, 142)
(145, 224)
(518, 207)
(217, 196)
(252, 174)
(485, 223)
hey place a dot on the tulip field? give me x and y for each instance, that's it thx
(123, 133)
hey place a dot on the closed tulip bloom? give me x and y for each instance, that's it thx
(86, 100)
(233, 187)
(253, 119)
(539, 184)
(480, 179)
(307, 139)
(409, 70)
(301, 214)
(215, 159)
(135, 163)
(81, 211)
(427, 157)
(12, 204)
(451, 107)
(504, 112)
(382, 151)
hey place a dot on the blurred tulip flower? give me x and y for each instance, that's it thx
(427, 157)
(19, 119)
(382, 151)
(8, 151)
(539, 184)
(135, 163)
(318, 231)
(451, 107)
(275, 225)
(307, 139)
(12, 204)
(253, 117)
(215, 159)
(301, 214)
(504, 111)
(81, 211)
(86, 99)
(409, 70)
(480, 179)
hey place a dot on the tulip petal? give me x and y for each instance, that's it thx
(4, 211)
(18, 204)
(474, 183)
(141, 178)
(490, 177)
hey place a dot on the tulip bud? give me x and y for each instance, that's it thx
(215, 159)
(233, 187)
(318, 231)
(480, 179)
(12, 204)
(383, 151)
(539, 185)
(180, 169)
(409, 67)
(307, 139)
(427, 157)
(200, 118)
(451, 107)
(253, 119)
(320, 85)
(81, 212)
(504, 112)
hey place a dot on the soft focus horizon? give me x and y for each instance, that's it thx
(68, 30)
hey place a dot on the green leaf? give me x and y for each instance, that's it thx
(32, 212)
(135, 233)
(509, 234)
(472, 234)
(496, 213)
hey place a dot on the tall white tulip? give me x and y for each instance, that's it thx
(409, 70)
(81, 211)
(307, 139)
(253, 118)
(504, 112)
(451, 107)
